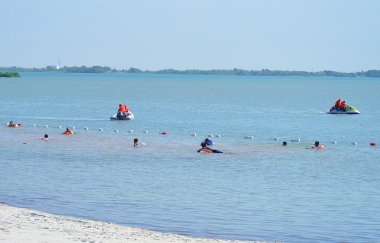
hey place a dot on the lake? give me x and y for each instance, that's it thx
(256, 190)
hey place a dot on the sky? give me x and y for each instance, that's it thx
(311, 35)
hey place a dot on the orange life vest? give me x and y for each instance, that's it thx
(121, 108)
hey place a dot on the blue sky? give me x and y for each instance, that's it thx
(185, 34)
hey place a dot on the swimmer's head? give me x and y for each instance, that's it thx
(316, 144)
(46, 136)
(208, 142)
(135, 141)
(284, 143)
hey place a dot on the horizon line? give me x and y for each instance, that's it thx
(182, 70)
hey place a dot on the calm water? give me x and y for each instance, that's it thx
(258, 190)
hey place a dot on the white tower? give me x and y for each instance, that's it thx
(59, 64)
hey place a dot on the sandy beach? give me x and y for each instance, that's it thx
(25, 225)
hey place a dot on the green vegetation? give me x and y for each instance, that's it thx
(235, 71)
(84, 69)
(263, 72)
(9, 75)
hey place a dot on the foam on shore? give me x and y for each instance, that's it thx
(25, 225)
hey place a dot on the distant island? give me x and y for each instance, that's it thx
(235, 71)
(9, 75)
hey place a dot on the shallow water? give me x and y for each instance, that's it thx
(257, 190)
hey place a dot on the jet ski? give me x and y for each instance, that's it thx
(123, 116)
(347, 110)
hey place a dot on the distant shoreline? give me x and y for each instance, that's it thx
(228, 72)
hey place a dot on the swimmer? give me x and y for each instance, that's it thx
(317, 145)
(68, 132)
(11, 124)
(45, 138)
(136, 143)
(207, 142)
(207, 149)
(284, 143)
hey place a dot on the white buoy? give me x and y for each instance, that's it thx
(100, 129)
(73, 128)
(210, 136)
(194, 134)
(46, 126)
(146, 131)
(217, 135)
(354, 143)
(334, 142)
(130, 131)
(116, 130)
(86, 128)
(59, 127)
(295, 140)
(34, 125)
(249, 137)
(276, 139)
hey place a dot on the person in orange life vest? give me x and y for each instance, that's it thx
(337, 104)
(121, 108)
(342, 105)
(68, 132)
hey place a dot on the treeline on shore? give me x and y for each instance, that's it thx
(235, 71)
(9, 75)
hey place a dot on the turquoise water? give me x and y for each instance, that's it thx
(257, 190)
